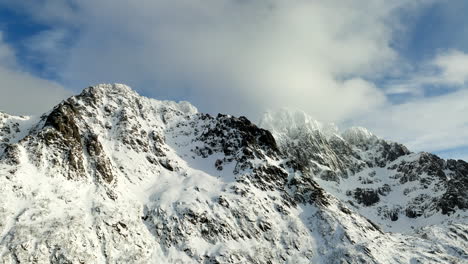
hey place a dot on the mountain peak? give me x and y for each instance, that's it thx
(119, 96)
(112, 87)
(292, 121)
(115, 89)
(357, 135)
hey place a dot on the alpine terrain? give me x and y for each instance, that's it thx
(109, 176)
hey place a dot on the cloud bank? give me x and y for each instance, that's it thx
(235, 56)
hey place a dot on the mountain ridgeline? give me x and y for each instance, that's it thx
(109, 176)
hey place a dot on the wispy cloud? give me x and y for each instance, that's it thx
(430, 124)
(448, 70)
(425, 121)
(21, 92)
(454, 67)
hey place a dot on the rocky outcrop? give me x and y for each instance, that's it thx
(101, 162)
(456, 194)
(62, 119)
(61, 133)
(381, 179)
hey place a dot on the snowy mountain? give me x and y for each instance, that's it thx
(381, 180)
(109, 176)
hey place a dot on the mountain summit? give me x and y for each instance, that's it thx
(382, 180)
(108, 176)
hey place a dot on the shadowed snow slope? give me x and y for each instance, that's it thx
(109, 176)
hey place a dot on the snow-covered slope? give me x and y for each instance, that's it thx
(382, 180)
(109, 176)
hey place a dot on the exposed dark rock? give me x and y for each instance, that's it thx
(390, 152)
(307, 190)
(412, 212)
(264, 226)
(269, 177)
(166, 164)
(11, 155)
(384, 190)
(456, 195)
(151, 159)
(223, 202)
(93, 146)
(393, 214)
(62, 118)
(219, 164)
(104, 170)
(231, 134)
(366, 197)
(100, 160)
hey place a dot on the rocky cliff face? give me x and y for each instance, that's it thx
(382, 180)
(108, 176)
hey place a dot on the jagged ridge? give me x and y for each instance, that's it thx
(110, 176)
(382, 180)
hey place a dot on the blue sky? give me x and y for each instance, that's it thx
(399, 67)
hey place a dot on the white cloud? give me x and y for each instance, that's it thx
(236, 56)
(51, 44)
(448, 69)
(21, 92)
(454, 67)
(430, 124)
(435, 123)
